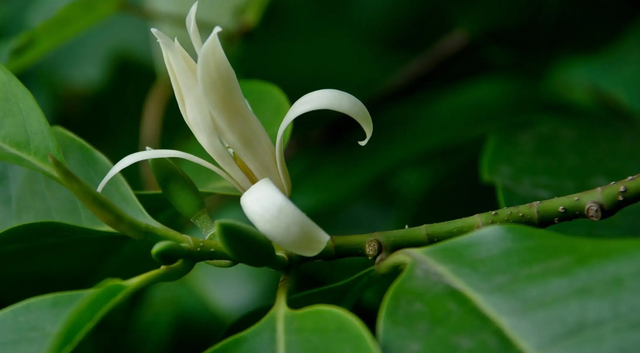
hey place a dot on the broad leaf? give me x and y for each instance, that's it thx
(57, 256)
(343, 293)
(28, 196)
(67, 247)
(269, 104)
(563, 158)
(70, 20)
(25, 138)
(57, 322)
(91, 166)
(319, 328)
(515, 289)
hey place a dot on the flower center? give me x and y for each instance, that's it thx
(243, 166)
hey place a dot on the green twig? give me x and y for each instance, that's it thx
(597, 204)
(163, 274)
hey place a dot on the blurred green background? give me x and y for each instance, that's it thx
(476, 105)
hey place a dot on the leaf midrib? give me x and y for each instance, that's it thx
(473, 297)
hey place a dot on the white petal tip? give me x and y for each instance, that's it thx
(193, 9)
(191, 16)
(273, 214)
(217, 30)
(148, 148)
(159, 35)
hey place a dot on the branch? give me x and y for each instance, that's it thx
(596, 205)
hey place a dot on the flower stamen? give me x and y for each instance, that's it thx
(243, 166)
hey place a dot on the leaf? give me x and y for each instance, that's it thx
(57, 256)
(70, 20)
(318, 328)
(269, 104)
(558, 159)
(514, 289)
(57, 322)
(62, 330)
(30, 197)
(343, 294)
(25, 138)
(607, 79)
(46, 232)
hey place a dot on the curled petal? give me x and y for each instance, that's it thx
(234, 121)
(330, 99)
(192, 28)
(152, 154)
(281, 221)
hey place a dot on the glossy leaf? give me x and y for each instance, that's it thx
(57, 322)
(343, 293)
(269, 104)
(31, 197)
(47, 233)
(25, 138)
(319, 328)
(57, 256)
(70, 20)
(514, 289)
(558, 159)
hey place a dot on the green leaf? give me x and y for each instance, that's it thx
(57, 322)
(30, 197)
(318, 328)
(558, 159)
(62, 330)
(607, 79)
(65, 234)
(70, 20)
(343, 293)
(269, 104)
(514, 289)
(25, 138)
(58, 256)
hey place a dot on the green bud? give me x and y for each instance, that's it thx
(168, 252)
(245, 244)
(177, 187)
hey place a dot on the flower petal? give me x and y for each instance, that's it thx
(281, 221)
(234, 120)
(182, 71)
(152, 154)
(330, 99)
(192, 28)
(166, 45)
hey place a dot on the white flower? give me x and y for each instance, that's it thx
(212, 104)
